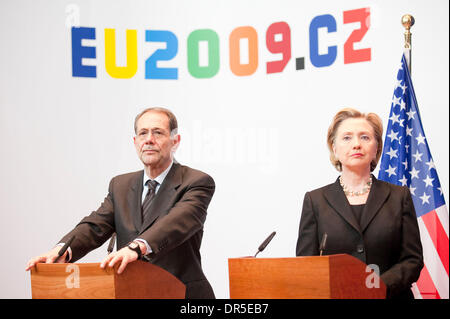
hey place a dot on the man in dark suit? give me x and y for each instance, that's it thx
(157, 213)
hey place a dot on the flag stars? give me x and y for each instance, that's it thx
(414, 173)
(395, 101)
(405, 163)
(418, 156)
(391, 170)
(393, 136)
(402, 105)
(409, 131)
(428, 181)
(430, 164)
(404, 87)
(404, 181)
(420, 139)
(425, 198)
(410, 114)
(392, 153)
(394, 118)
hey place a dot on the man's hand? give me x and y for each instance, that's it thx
(124, 255)
(49, 257)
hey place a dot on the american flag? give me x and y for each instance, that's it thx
(407, 161)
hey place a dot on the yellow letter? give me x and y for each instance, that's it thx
(124, 72)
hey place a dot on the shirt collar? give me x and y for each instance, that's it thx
(160, 178)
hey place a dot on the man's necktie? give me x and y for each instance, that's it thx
(148, 199)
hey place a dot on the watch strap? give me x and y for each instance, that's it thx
(137, 249)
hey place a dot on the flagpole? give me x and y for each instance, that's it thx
(408, 22)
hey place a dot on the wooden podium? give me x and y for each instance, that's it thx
(139, 280)
(318, 277)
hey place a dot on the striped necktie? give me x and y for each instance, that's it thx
(148, 198)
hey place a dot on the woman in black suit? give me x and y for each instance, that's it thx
(369, 219)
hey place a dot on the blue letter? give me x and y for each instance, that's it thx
(79, 52)
(320, 60)
(151, 68)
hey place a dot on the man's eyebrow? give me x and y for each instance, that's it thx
(152, 129)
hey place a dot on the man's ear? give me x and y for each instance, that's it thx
(176, 142)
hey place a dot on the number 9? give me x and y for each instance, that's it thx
(283, 46)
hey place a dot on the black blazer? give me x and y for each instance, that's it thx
(175, 232)
(388, 235)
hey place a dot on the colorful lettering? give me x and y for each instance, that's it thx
(121, 72)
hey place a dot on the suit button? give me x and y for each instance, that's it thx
(360, 249)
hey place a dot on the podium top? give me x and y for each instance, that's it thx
(315, 277)
(88, 281)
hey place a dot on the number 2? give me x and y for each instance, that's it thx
(151, 69)
(350, 54)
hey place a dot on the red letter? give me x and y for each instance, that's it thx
(363, 17)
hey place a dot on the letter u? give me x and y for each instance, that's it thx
(121, 72)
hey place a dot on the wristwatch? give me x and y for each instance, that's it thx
(135, 247)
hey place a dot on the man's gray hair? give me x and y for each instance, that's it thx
(173, 124)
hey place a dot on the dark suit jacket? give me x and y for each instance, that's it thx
(388, 235)
(174, 234)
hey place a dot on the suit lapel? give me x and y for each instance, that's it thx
(134, 199)
(377, 196)
(162, 201)
(338, 201)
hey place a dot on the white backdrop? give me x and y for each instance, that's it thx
(262, 137)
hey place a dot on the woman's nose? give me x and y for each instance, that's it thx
(356, 143)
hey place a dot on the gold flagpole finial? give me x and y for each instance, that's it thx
(407, 22)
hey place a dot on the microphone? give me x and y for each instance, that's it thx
(111, 243)
(265, 243)
(64, 248)
(323, 243)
